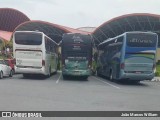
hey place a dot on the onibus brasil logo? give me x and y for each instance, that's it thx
(21, 114)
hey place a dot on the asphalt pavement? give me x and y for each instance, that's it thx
(74, 94)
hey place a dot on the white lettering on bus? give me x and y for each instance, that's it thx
(136, 40)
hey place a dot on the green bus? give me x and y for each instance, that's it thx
(76, 55)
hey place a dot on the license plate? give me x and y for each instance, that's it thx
(76, 72)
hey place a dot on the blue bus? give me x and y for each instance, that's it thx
(131, 56)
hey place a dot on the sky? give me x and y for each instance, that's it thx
(80, 13)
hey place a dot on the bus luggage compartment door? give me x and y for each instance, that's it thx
(29, 59)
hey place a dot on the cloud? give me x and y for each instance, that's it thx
(77, 13)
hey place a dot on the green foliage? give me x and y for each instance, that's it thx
(157, 70)
(157, 74)
(3, 46)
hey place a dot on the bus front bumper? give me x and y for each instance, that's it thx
(30, 70)
(76, 72)
(134, 76)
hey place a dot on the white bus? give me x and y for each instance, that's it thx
(34, 53)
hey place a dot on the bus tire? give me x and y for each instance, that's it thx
(1, 75)
(25, 75)
(135, 81)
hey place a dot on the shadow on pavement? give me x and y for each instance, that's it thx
(126, 82)
(75, 78)
(132, 83)
(35, 77)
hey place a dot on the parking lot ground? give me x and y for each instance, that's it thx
(95, 94)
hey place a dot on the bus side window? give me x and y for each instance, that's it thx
(50, 45)
(109, 52)
(101, 56)
(47, 46)
(106, 53)
(53, 47)
(120, 39)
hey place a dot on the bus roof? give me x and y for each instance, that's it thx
(29, 32)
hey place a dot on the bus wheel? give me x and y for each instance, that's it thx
(135, 81)
(25, 75)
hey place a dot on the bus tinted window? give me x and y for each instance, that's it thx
(50, 45)
(141, 40)
(77, 45)
(28, 38)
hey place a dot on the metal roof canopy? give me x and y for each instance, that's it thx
(125, 23)
(53, 31)
(11, 18)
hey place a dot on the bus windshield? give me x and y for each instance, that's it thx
(141, 40)
(28, 38)
(76, 62)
